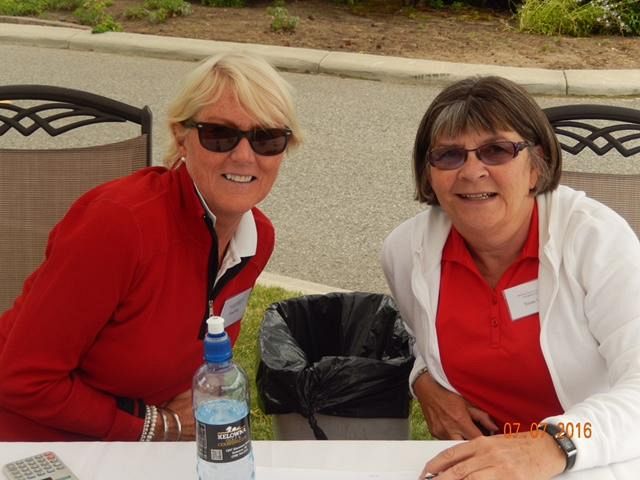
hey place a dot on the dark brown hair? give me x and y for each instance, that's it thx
(486, 104)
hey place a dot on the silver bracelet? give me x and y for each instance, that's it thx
(165, 425)
(178, 423)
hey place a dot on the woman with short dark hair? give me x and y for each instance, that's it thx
(522, 295)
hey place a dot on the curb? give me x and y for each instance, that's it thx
(303, 287)
(537, 81)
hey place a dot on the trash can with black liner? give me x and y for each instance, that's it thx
(335, 367)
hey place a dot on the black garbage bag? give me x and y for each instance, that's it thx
(343, 354)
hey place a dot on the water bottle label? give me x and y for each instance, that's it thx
(224, 443)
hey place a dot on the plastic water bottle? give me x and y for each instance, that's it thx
(221, 409)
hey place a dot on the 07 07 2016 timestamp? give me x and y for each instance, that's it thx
(537, 430)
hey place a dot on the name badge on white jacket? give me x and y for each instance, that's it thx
(522, 299)
(234, 307)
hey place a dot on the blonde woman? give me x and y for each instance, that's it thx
(104, 339)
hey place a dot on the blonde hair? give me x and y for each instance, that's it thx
(261, 91)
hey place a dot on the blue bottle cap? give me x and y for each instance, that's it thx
(217, 345)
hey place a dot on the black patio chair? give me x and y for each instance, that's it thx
(603, 129)
(38, 185)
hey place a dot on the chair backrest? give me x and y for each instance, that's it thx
(38, 185)
(602, 130)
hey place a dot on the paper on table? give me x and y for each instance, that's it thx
(276, 473)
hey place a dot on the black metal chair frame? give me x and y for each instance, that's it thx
(575, 116)
(66, 104)
(602, 129)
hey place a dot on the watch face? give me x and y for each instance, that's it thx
(566, 444)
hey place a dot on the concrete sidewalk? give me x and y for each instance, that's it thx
(303, 60)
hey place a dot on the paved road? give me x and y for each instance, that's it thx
(336, 198)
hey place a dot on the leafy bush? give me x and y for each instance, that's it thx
(94, 14)
(171, 7)
(580, 17)
(623, 15)
(21, 7)
(224, 3)
(136, 13)
(159, 11)
(281, 21)
(62, 4)
(36, 7)
(158, 16)
(457, 4)
(555, 17)
(107, 24)
(90, 12)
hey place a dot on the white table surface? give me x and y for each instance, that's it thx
(160, 461)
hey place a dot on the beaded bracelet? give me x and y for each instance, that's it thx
(150, 421)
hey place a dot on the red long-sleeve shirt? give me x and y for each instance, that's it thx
(115, 310)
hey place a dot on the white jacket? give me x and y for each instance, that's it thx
(589, 304)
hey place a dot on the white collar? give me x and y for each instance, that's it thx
(244, 242)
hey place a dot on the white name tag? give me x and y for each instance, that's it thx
(234, 307)
(522, 300)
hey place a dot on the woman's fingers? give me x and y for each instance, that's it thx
(518, 457)
(446, 413)
(483, 419)
(181, 405)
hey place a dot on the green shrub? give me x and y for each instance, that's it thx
(621, 15)
(224, 3)
(62, 4)
(90, 12)
(171, 7)
(158, 16)
(36, 7)
(94, 13)
(107, 24)
(21, 7)
(557, 17)
(159, 11)
(580, 17)
(281, 21)
(136, 13)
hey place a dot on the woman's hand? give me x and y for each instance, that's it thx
(180, 406)
(522, 456)
(448, 415)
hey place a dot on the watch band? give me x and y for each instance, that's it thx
(564, 443)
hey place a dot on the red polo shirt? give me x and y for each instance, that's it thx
(494, 361)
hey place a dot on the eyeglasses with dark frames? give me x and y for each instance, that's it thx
(494, 153)
(222, 138)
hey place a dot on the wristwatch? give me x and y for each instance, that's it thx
(564, 442)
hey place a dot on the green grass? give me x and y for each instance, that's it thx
(245, 353)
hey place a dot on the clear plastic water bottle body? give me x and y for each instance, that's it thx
(221, 409)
